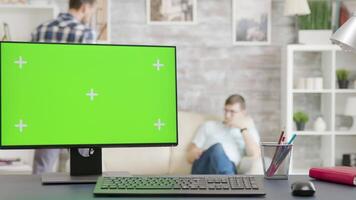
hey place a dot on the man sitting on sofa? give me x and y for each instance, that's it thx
(219, 145)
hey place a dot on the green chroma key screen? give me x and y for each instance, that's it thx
(80, 94)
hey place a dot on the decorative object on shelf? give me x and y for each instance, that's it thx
(342, 78)
(343, 128)
(6, 32)
(318, 83)
(310, 83)
(13, 1)
(349, 159)
(171, 11)
(300, 118)
(315, 28)
(301, 83)
(296, 8)
(251, 22)
(320, 124)
(350, 110)
(345, 36)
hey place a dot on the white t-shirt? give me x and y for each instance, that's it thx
(231, 139)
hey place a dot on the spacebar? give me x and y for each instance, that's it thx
(152, 188)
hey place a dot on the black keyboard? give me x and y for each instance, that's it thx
(195, 185)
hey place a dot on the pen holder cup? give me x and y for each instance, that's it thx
(275, 160)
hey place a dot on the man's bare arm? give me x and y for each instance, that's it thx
(194, 153)
(251, 146)
(244, 122)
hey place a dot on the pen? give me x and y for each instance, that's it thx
(280, 155)
(281, 137)
(284, 138)
(292, 139)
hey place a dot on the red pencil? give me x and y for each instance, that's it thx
(273, 163)
(281, 137)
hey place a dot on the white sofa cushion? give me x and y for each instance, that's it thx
(145, 160)
(167, 160)
(188, 123)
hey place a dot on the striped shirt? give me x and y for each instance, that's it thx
(64, 29)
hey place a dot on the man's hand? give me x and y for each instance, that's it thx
(241, 120)
(194, 153)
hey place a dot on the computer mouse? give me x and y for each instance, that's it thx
(303, 188)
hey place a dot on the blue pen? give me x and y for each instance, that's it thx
(292, 139)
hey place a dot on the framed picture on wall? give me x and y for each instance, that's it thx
(251, 22)
(171, 11)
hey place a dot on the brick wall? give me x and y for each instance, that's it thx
(209, 67)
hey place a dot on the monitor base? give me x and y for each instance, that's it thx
(85, 167)
(66, 178)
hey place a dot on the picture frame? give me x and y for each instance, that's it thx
(171, 12)
(251, 22)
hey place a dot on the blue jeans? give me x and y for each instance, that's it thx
(214, 161)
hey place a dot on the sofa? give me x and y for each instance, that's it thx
(144, 160)
(168, 160)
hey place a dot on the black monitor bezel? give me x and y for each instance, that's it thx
(91, 145)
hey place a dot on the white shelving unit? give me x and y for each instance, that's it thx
(23, 19)
(321, 148)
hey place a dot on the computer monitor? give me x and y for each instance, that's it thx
(56, 95)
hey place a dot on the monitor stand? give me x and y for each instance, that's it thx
(85, 167)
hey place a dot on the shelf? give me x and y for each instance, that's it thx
(301, 91)
(313, 133)
(345, 133)
(301, 47)
(326, 133)
(345, 91)
(338, 91)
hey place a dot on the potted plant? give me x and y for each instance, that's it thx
(300, 119)
(343, 78)
(315, 28)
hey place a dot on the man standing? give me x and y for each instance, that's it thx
(219, 146)
(70, 27)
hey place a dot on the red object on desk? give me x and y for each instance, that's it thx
(343, 175)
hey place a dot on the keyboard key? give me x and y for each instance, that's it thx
(211, 187)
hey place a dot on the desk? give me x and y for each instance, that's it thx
(28, 187)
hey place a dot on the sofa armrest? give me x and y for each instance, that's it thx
(250, 165)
